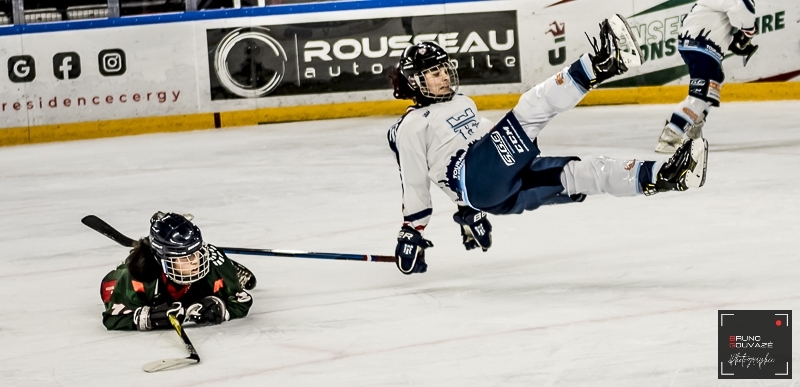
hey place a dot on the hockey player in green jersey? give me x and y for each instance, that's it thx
(174, 272)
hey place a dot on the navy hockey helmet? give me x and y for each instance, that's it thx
(178, 244)
(429, 71)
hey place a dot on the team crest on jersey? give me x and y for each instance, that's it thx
(464, 124)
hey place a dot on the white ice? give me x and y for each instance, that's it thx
(609, 292)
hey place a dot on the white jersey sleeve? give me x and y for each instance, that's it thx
(742, 14)
(411, 149)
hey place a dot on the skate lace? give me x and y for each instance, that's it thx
(592, 43)
(243, 274)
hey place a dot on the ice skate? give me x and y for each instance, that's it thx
(612, 56)
(629, 51)
(696, 131)
(246, 277)
(685, 169)
(669, 141)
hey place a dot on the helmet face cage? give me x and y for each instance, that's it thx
(186, 269)
(429, 71)
(439, 83)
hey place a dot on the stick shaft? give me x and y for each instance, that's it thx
(307, 254)
(182, 333)
(104, 228)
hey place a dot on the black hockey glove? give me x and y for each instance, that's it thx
(210, 310)
(410, 251)
(742, 45)
(476, 231)
(147, 318)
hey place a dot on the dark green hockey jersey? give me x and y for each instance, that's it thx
(122, 294)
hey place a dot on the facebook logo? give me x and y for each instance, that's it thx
(67, 65)
(21, 69)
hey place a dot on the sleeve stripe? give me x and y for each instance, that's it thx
(419, 215)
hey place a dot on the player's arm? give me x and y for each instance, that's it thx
(129, 307)
(407, 139)
(742, 15)
(228, 300)
(119, 303)
(413, 164)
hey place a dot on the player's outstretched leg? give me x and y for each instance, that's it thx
(246, 277)
(685, 169)
(567, 88)
(617, 51)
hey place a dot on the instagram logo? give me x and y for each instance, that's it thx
(111, 62)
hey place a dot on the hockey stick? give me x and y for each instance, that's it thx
(104, 228)
(174, 364)
(307, 254)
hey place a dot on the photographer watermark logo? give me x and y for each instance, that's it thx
(67, 65)
(754, 344)
(21, 69)
(111, 62)
(249, 62)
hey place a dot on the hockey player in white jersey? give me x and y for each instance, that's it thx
(496, 169)
(704, 33)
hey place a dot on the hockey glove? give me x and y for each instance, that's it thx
(147, 318)
(476, 231)
(410, 251)
(742, 45)
(210, 310)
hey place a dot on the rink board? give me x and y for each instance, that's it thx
(216, 69)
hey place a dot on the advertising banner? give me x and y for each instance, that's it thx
(101, 74)
(77, 80)
(356, 55)
(656, 25)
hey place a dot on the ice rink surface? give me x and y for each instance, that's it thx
(609, 292)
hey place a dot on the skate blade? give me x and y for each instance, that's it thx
(630, 52)
(697, 175)
(663, 147)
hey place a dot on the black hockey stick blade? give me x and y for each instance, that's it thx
(746, 58)
(104, 228)
(174, 364)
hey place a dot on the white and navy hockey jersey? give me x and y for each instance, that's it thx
(424, 141)
(715, 19)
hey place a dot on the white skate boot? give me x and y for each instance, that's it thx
(669, 141)
(696, 131)
(630, 53)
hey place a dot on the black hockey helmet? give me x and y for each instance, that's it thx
(178, 244)
(172, 235)
(427, 58)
